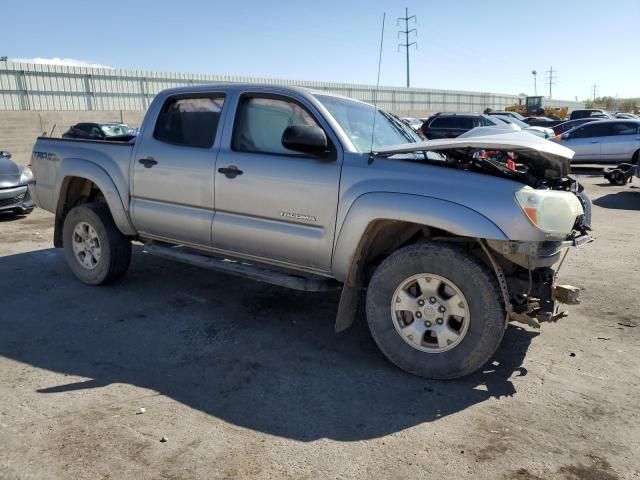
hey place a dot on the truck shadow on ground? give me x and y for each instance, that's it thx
(257, 356)
(620, 200)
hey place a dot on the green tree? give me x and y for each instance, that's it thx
(628, 105)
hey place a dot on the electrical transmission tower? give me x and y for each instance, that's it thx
(551, 79)
(594, 91)
(406, 45)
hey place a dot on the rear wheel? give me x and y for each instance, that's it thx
(95, 250)
(435, 311)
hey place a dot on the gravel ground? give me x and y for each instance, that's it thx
(249, 381)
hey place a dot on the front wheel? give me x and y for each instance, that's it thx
(435, 310)
(95, 250)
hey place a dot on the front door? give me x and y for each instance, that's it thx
(273, 203)
(172, 190)
(586, 141)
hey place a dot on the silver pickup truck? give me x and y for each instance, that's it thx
(446, 240)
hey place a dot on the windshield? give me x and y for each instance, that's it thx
(356, 119)
(115, 130)
(534, 101)
(514, 121)
(516, 115)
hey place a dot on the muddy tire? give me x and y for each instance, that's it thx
(435, 310)
(95, 250)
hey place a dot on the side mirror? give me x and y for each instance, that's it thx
(565, 136)
(306, 139)
(4, 154)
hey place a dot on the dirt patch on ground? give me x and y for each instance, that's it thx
(250, 381)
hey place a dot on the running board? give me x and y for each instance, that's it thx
(241, 269)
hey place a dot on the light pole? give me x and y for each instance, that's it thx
(535, 85)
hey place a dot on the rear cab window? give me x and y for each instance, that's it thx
(189, 121)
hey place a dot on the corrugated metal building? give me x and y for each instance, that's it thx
(26, 86)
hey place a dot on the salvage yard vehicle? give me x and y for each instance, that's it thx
(535, 130)
(560, 128)
(538, 106)
(590, 112)
(14, 181)
(604, 141)
(451, 125)
(302, 189)
(101, 131)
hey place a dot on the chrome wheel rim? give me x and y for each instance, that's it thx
(86, 245)
(430, 313)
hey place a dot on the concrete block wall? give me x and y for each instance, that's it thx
(19, 129)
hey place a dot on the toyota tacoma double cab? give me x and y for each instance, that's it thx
(445, 241)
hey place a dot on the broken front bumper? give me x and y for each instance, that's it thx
(535, 297)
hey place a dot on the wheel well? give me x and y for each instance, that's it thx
(74, 191)
(380, 240)
(636, 156)
(383, 237)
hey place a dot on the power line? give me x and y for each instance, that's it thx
(594, 91)
(551, 79)
(406, 33)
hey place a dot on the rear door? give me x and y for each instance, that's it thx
(622, 141)
(172, 193)
(586, 141)
(272, 203)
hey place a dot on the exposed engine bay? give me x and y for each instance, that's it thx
(525, 270)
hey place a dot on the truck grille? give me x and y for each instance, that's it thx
(8, 202)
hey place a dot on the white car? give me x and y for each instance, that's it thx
(414, 123)
(543, 132)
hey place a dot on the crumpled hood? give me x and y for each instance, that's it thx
(532, 150)
(9, 173)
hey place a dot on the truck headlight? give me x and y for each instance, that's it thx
(551, 211)
(26, 177)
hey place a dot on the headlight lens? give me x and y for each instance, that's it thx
(26, 176)
(551, 211)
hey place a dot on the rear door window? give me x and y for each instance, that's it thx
(453, 122)
(189, 121)
(625, 128)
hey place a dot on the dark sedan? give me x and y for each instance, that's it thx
(114, 132)
(14, 179)
(568, 125)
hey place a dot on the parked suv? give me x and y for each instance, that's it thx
(451, 125)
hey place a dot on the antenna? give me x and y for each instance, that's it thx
(375, 94)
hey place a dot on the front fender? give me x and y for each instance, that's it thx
(76, 167)
(432, 212)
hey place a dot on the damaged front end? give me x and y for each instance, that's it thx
(527, 278)
(553, 201)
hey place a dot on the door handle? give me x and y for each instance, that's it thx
(148, 162)
(594, 141)
(231, 171)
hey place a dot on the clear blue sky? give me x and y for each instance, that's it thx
(489, 45)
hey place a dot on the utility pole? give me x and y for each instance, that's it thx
(406, 33)
(535, 84)
(551, 79)
(594, 91)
